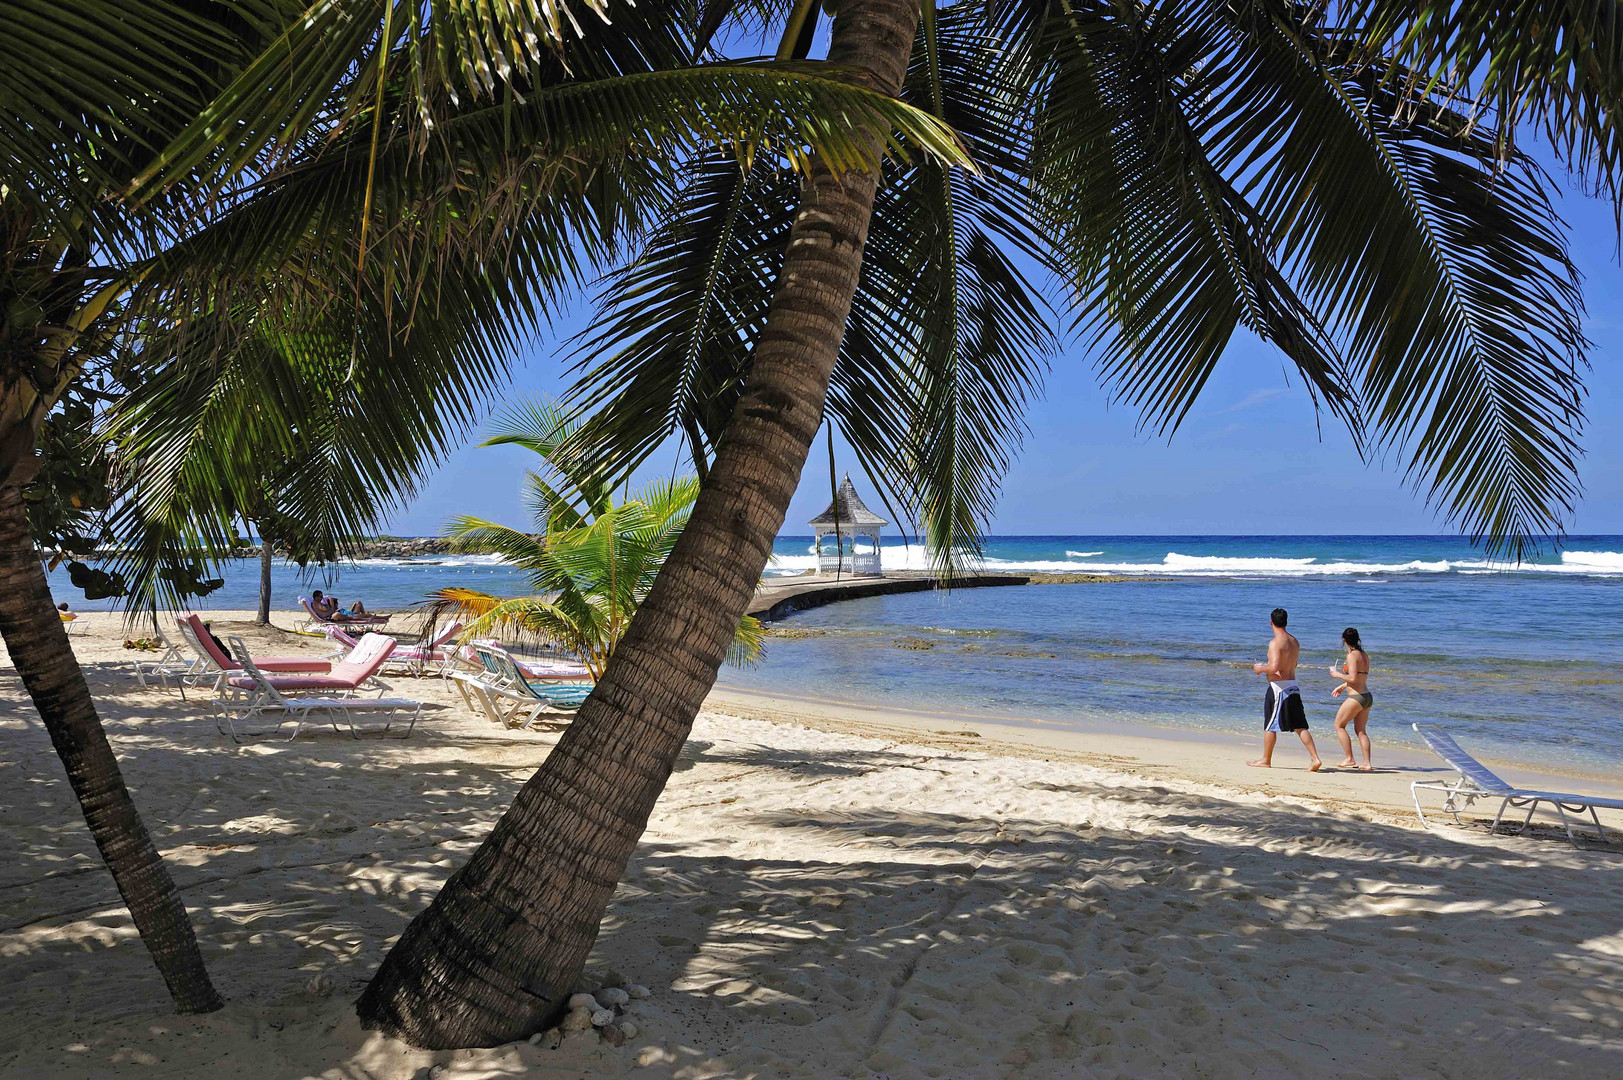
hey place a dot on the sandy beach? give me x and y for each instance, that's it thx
(822, 892)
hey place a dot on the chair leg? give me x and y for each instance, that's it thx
(389, 723)
(1599, 832)
(1451, 803)
(1414, 793)
(1561, 810)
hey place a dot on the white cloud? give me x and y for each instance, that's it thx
(1251, 400)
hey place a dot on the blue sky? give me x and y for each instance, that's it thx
(1249, 459)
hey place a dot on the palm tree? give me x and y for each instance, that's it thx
(324, 231)
(1350, 192)
(85, 96)
(590, 561)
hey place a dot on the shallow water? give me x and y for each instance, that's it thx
(1520, 661)
(1524, 669)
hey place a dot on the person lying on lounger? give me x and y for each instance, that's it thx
(327, 607)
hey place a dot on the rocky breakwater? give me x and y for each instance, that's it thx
(390, 547)
(404, 547)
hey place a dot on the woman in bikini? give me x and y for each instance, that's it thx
(1355, 710)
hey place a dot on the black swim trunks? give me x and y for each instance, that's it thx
(1283, 715)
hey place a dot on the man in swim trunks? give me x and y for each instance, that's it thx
(1282, 704)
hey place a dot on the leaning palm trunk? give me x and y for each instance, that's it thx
(497, 953)
(40, 651)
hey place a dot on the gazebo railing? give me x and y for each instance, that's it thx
(854, 555)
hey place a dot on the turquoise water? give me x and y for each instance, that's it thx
(1522, 661)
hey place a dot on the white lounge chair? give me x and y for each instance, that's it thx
(265, 702)
(174, 664)
(1477, 781)
(311, 620)
(510, 695)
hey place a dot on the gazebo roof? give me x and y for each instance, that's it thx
(847, 509)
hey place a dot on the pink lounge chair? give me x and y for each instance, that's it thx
(196, 635)
(358, 668)
(265, 702)
(412, 659)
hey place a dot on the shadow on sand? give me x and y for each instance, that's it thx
(1066, 928)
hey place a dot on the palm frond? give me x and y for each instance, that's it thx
(1554, 68)
(551, 432)
(1441, 262)
(478, 535)
(90, 91)
(1213, 166)
(670, 343)
(1166, 256)
(327, 67)
(946, 324)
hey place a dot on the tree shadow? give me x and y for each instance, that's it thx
(849, 928)
(1221, 942)
(821, 763)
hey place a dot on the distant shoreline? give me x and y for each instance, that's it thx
(392, 547)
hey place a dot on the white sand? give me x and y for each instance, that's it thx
(829, 897)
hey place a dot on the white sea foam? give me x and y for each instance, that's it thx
(1593, 562)
(1176, 564)
(1221, 564)
(435, 562)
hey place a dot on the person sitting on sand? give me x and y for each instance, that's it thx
(1282, 704)
(1355, 710)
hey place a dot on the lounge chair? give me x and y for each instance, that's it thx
(173, 664)
(356, 671)
(266, 702)
(1477, 781)
(535, 670)
(312, 619)
(408, 659)
(216, 665)
(510, 698)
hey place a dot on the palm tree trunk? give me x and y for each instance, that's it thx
(50, 672)
(496, 954)
(263, 618)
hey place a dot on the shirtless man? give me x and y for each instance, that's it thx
(1282, 704)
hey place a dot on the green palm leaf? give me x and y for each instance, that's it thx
(589, 569)
(1553, 68)
(670, 344)
(1216, 167)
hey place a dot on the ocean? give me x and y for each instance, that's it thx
(1523, 662)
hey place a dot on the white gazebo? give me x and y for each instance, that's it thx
(846, 521)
